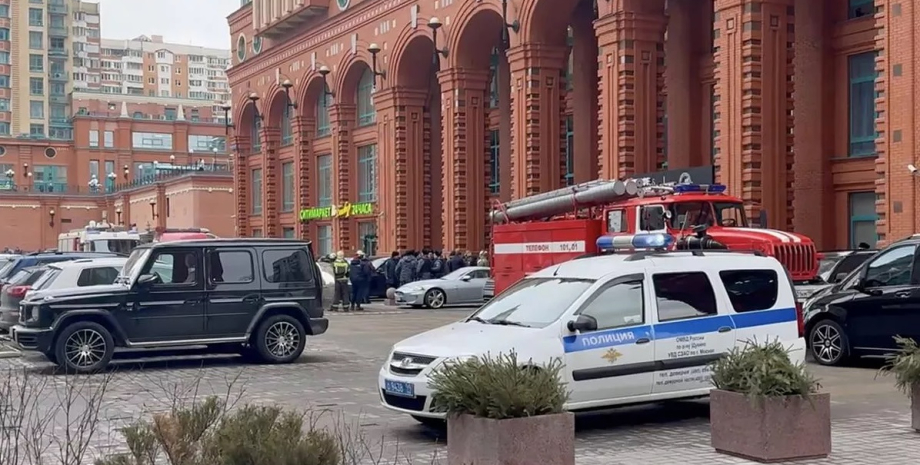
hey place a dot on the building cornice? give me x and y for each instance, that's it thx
(309, 40)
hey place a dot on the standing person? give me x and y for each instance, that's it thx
(340, 272)
(438, 265)
(389, 270)
(483, 259)
(357, 272)
(456, 261)
(423, 266)
(468, 259)
(405, 270)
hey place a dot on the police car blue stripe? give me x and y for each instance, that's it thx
(669, 330)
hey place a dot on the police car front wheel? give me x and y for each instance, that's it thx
(828, 343)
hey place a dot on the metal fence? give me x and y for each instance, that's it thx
(105, 187)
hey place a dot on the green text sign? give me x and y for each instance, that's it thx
(345, 211)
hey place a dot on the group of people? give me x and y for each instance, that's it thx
(359, 272)
(416, 265)
(353, 278)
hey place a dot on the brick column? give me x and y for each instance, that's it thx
(631, 82)
(584, 94)
(271, 182)
(241, 186)
(682, 84)
(304, 130)
(342, 120)
(536, 107)
(814, 189)
(464, 165)
(400, 143)
(888, 28)
(753, 69)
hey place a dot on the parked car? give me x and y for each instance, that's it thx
(860, 315)
(257, 297)
(833, 267)
(80, 273)
(469, 285)
(328, 276)
(15, 291)
(43, 258)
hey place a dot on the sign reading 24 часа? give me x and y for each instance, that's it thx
(345, 211)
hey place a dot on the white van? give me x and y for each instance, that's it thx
(630, 328)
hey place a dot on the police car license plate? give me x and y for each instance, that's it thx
(399, 388)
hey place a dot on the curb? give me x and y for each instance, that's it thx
(7, 351)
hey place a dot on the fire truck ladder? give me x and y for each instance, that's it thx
(585, 195)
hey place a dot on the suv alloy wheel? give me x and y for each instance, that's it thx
(827, 342)
(84, 347)
(280, 339)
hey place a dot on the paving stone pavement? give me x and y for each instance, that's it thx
(337, 377)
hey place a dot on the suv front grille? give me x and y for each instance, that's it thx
(799, 259)
(409, 364)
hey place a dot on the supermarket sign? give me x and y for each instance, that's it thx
(332, 211)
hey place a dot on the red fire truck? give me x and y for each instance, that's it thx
(535, 232)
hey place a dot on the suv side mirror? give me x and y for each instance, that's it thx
(839, 277)
(147, 279)
(583, 323)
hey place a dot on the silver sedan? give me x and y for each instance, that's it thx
(470, 285)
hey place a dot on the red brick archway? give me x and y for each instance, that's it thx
(545, 21)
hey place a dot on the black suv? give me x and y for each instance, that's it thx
(860, 315)
(260, 297)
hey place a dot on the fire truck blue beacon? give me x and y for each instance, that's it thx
(635, 322)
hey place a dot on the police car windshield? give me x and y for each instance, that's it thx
(532, 302)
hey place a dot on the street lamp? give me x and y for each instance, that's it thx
(126, 171)
(287, 85)
(93, 183)
(434, 24)
(324, 72)
(254, 97)
(118, 214)
(226, 107)
(153, 208)
(374, 49)
(10, 174)
(51, 214)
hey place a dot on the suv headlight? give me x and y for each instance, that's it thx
(35, 313)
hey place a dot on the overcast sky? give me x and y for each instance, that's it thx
(189, 22)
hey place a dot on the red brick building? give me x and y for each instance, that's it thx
(804, 108)
(123, 147)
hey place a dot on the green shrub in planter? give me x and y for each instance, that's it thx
(767, 408)
(763, 370)
(498, 387)
(500, 410)
(905, 366)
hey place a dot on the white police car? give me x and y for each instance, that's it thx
(630, 327)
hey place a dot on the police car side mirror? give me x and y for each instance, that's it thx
(583, 323)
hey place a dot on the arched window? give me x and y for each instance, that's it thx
(287, 126)
(323, 102)
(366, 112)
(256, 134)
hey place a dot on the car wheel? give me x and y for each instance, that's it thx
(436, 423)
(280, 339)
(828, 343)
(435, 298)
(84, 347)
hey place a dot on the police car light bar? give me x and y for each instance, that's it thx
(708, 188)
(638, 241)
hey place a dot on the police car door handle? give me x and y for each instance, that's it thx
(725, 329)
(903, 294)
(643, 340)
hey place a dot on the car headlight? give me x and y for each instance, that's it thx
(802, 294)
(35, 313)
(459, 359)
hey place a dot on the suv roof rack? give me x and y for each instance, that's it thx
(641, 255)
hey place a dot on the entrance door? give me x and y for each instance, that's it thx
(172, 308)
(617, 360)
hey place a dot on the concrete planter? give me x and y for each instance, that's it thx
(915, 407)
(772, 429)
(544, 440)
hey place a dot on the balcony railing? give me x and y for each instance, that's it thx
(301, 14)
(11, 187)
(57, 52)
(57, 8)
(58, 76)
(57, 31)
